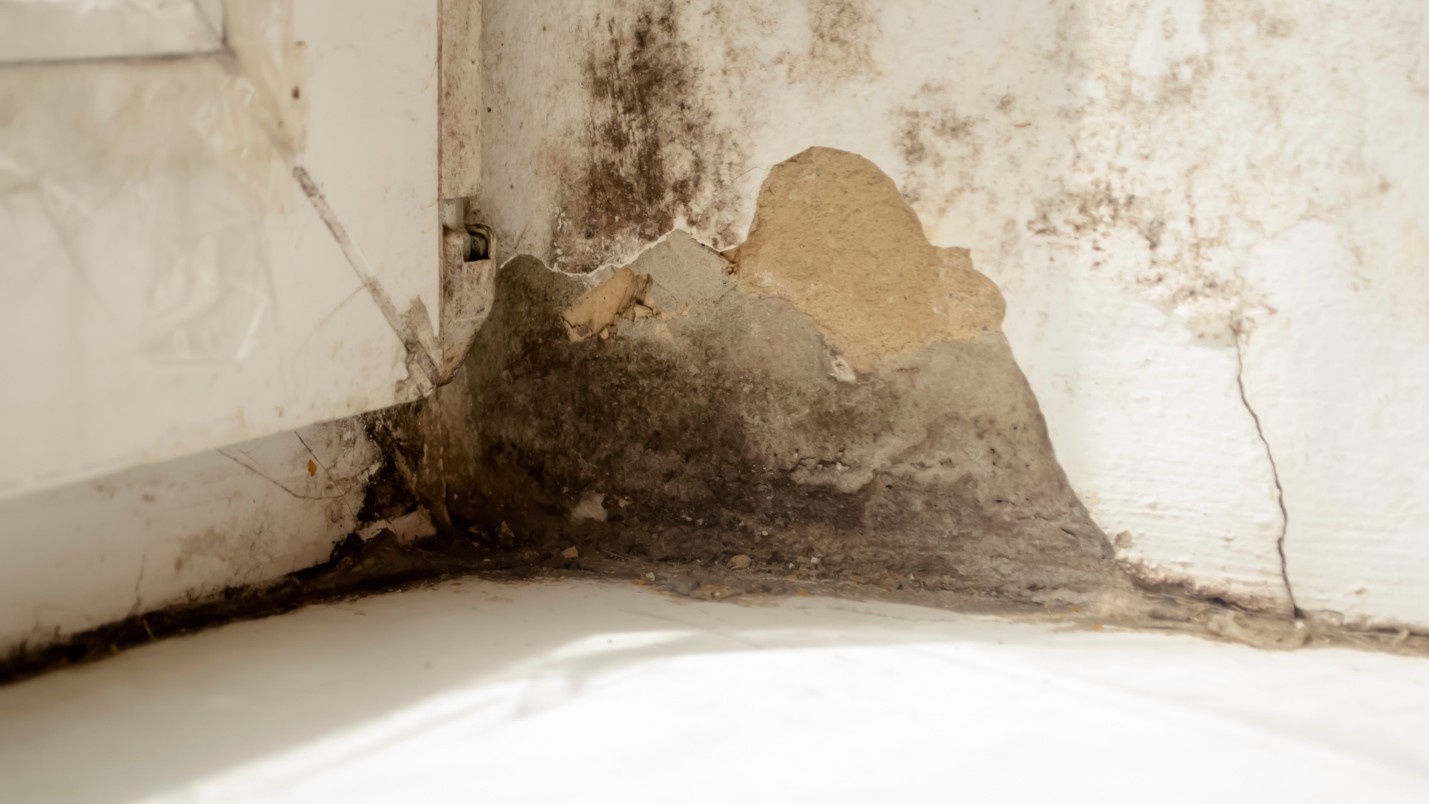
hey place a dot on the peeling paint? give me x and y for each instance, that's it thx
(592, 314)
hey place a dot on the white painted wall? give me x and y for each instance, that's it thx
(175, 303)
(1200, 212)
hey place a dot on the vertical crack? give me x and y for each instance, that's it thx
(138, 584)
(1274, 470)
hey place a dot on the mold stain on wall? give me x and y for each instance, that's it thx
(841, 38)
(940, 148)
(652, 153)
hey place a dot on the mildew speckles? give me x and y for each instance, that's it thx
(1183, 270)
(1276, 27)
(940, 148)
(651, 153)
(842, 33)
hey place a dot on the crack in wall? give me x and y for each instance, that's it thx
(291, 493)
(138, 584)
(1274, 471)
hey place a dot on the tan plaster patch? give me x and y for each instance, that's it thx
(833, 236)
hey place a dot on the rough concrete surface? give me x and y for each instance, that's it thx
(725, 419)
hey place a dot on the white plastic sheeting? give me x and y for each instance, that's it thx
(52, 30)
(178, 310)
(168, 282)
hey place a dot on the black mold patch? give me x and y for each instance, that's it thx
(392, 489)
(641, 78)
(651, 149)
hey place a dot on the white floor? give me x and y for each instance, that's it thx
(612, 692)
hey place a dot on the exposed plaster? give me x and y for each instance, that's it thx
(833, 235)
(705, 398)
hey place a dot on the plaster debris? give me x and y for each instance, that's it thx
(597, 310)
(1262, 633)
(591, 507)
(408, 528)
(739, 562)
(840, 370)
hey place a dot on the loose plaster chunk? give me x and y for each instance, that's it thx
(833, 236)
(595, 311)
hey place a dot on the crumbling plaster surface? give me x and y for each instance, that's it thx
(1207, 220)
(672, 414)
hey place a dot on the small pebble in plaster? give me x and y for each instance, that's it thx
(591, 507)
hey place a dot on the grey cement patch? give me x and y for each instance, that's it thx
(718, 428)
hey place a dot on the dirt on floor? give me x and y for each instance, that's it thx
(357, 568)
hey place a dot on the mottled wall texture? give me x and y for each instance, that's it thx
(813, 404)
(1201, 226)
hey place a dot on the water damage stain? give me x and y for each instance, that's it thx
(727, 422)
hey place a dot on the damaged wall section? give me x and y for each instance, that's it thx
(866, 423)
(1178, 200)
